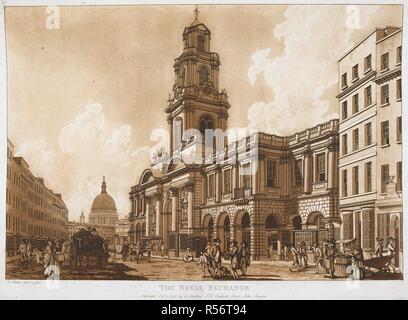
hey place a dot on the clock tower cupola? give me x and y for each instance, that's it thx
(196, 101)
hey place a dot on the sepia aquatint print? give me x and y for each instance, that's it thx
(209, 142)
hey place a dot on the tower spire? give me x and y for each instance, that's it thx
(103, 188)
(196, 12)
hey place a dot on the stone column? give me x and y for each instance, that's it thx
(147, 213)
(158, 198)
(190, 206)
(174, 207)
(308, 163)
(136, 204)
(218, 185)
(332, 166)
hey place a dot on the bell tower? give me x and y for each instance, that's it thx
(196, 101)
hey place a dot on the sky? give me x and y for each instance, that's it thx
(85, 95)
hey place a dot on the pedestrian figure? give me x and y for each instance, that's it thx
(202, 262)
(391, 252)
(357, 262)
(379, 248)
(295, 256)
(188, 256)
(330, 255)
(216, 258)
(285, 253)
(125, 250)
(302, 254)
(22, 250)
(162, 248)
(148, 250)
(49, 256)
(270, 251)
(319, 257)
(233, 252)
(29, 251)
(244, 258)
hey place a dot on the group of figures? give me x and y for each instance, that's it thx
(58, 252)
(134, 252)
(211, 258)
(326, 253)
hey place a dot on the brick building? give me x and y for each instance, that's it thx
(33, 211)
(370, 163)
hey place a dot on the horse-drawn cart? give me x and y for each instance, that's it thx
(86, 243)
(379, 263)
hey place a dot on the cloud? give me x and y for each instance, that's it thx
(87, 151)
(304, 76)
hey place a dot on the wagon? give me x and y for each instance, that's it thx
(379, 263)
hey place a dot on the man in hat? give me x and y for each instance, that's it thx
(216, 257)
(319, 257)
(378, 247)
(295, 256)
(244, 258)
(331, 252)
(233, 252)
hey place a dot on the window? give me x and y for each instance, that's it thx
(385, 61)
(344, 183)
(399, 89)
(383, 225)
(355, 72)
(344, 80)
(227, 181)
(344, 144)
(271, 174)
(355, 140)
(399, 129)
(211, 185)
(385, 133)
(177, 133)
(367, 63)
(298, 172)
(203, 75)
(355, 180)
(348, 226)
(399, 54)
(385, 170)
(368, 134)
(399, 176)
(385, 94)
(368, 100)
(344, 109)
(201, 43)
(368, 177)
(368, 229)
(206, 122)
(321, 167)
(246, 178)
(355, 103)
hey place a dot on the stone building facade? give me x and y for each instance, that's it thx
(262, 189)
(370, 163)
(33, 211)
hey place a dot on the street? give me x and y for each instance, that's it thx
(165, 269)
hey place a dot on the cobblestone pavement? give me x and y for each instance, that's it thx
(165, 269)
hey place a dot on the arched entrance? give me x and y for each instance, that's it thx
(275, 237)
(315, 229)
(243, 228)
(297, 222)
(208, 224)
(224, 231)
